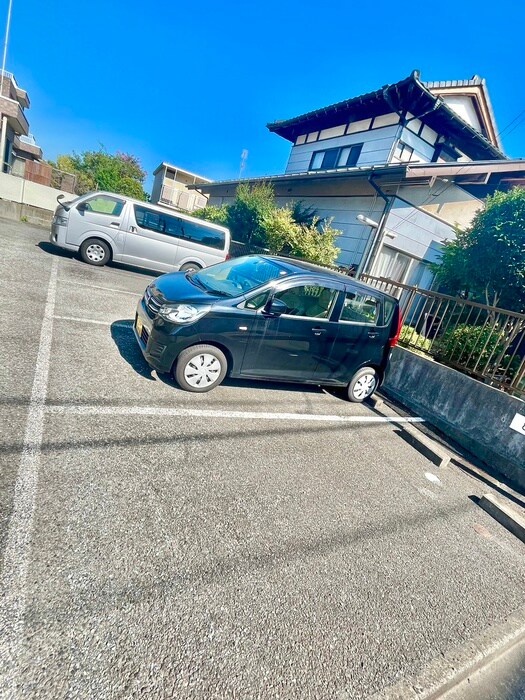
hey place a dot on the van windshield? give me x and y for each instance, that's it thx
(235, 277)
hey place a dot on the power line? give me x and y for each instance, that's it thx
(511, 123)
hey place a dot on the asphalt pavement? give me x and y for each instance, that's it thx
(258, 541)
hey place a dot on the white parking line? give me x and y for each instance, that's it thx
(95, 286)
(118, 324)
(210, 413)
(18, 546)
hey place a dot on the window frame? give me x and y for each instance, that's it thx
(117, 200)
(165, 217)
(380, 321)
(354, 148)
(314, 282)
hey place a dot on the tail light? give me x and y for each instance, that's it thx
(392, 342)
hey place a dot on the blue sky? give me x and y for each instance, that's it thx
(196, 83)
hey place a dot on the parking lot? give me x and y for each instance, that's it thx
(258, 541)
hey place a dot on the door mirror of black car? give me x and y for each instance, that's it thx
(275, 307)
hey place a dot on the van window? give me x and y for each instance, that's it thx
(360, 308)
(309, 300)
(102, 204)
(179, 228)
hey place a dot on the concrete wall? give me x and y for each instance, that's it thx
(22, 198)
(475, 415)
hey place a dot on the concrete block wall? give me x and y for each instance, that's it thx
(475, 415)
(21, 198)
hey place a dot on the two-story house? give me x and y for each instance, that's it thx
(395, 169)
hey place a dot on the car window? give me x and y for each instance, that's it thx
(360, 308)
(314, 301)
(179, 228)
(258, 301)
(102, 204)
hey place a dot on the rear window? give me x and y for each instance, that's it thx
(179, 228)
(360, 308)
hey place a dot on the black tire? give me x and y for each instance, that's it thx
(95, 251)
(204, 373)
(362, 385)
(190, 267)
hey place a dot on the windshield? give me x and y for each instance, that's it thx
(237, 276)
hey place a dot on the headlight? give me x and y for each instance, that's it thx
(183, 313)
(61, 220)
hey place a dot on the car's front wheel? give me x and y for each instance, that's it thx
(94, 251)
(200, 368)
(362, 385)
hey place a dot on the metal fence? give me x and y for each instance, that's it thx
(482, 341)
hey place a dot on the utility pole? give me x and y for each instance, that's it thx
(5, 44)
(3, 133)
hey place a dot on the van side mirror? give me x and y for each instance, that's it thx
(275, 307)
(64, 205)
(82, 206)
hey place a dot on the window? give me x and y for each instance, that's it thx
(344, 157)
(258, 301)
(179, 228)
(102, 204)
(403, 153)
(311, 300)
(360, 308)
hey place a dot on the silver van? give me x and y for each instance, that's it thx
(105, 226)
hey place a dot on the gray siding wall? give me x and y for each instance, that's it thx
(423, 151)
(416, 232)
(376, 149)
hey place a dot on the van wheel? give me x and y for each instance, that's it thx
(190, 267)
(95, 252)
(200, 368)
(362, 385)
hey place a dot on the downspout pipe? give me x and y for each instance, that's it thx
(376, 239)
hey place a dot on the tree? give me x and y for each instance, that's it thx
(308, 241)
(98, 170)
(255, 218)
(487, 260)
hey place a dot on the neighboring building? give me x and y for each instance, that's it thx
(170, 188)
(414, 158)
(17, 145)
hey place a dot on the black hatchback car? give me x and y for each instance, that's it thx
(264, 317)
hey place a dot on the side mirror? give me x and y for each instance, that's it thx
(62, 204)
(82, 206)
(275, 307)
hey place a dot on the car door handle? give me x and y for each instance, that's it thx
(115, 224)
(373, 334)
(318, 331)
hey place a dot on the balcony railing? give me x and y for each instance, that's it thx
(482, 341)
(182, 199)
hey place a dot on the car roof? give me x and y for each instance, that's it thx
(301, 267)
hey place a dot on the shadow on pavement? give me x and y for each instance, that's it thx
(124, 339)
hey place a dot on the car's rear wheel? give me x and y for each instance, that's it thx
(94, 251)
(362, 385)
(190, 267)
(200, 368)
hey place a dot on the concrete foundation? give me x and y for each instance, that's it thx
(475, 415)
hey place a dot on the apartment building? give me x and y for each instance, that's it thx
(17, 145)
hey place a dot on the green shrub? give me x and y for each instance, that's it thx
(411, 338)
(474, 346)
